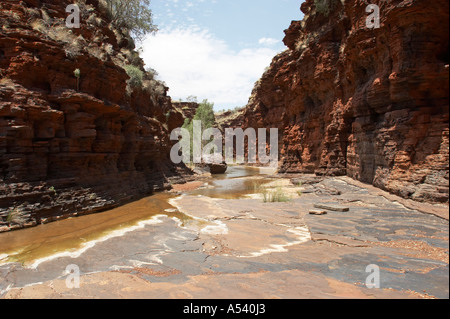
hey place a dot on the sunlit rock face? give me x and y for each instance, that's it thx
(370, 103)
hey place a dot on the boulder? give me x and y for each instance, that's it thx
(215, 164)
(218, 168)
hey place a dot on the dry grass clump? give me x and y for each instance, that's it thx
(12, 15)
(7, 82)
(271, 194)
(276, 195)
(75, 48)
(60, 33)
(39, 25)
(55, 30)
(15, 216)
(94, 20)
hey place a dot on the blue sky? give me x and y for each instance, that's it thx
(217, 49)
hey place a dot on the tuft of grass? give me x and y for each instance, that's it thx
(77, 74)
(60, 33)
(136, 76)
(300, 184)
(108, 48)
(55, 30)
(7, 82)
(10, 217)
(15, 217)
(94, 20)
(39, 25)
(278, 196)
(269, 195)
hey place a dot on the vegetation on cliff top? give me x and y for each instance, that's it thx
(127, 20)
(205, 114)
(324, 7)
(133, 16)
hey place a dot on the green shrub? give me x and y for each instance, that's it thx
(205, 114)
(15, 216)
(77, 74)
(136, 76)
(324, 7)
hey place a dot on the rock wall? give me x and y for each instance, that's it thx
(229, 119)
(73, 146)
(188, 109)
(368, 103)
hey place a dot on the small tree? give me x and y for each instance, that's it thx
(133, 16)
(77, 74)
(205, 114)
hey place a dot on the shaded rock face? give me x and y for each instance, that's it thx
(65, 151)
(368, 103)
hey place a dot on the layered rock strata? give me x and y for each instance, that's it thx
(368, 103)
(188, 109)
(76, 143)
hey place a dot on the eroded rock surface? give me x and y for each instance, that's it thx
(368, 103)
(73, 145)
(245, 248)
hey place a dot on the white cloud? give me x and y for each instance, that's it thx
(194, 62)
(268, 41)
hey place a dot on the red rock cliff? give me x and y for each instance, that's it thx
(368, 103)
(73, 146)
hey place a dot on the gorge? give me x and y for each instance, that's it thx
(87, 179)
(371, 104)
